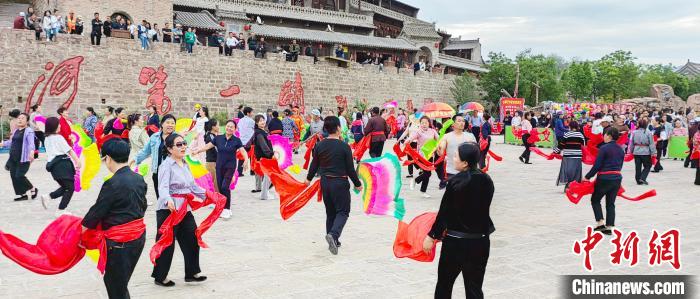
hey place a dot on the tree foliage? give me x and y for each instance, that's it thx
(613, 77)
(464, 89)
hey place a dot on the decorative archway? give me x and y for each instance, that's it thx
(121, 14)
(426, 55)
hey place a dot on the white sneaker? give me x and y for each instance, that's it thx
(412, 186)
(45, 201)
(60, 213)
(426, 195)
(226, 214)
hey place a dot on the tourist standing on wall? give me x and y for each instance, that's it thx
(189, 40)
(332, 160)
(607, 166)
(155, 148)
(22, 146)
(294, 50)
(463, 224)
(143, 35)
(231, 43)
(167, 33)
(46, 25)
(223, 150)
(378, 130)
(96, 33)
(261, 48)
(119, 212)
(90, 122)
(133, 29)
(526, 127)
(56, 23)
(421, 136)
(174, 182)
(641, 145)
(61, 162)
(107, 27)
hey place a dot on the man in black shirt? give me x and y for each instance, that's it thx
(96, 33)
(119, 210)
(107, 27)
(332, 158)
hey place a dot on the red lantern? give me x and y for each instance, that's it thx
(246, 27)
(222, 24)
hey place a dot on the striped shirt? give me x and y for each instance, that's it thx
(571, 144)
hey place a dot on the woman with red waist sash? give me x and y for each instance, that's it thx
(607, 166)
(174, 182)
(118, 212)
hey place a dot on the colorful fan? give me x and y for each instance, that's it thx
(183, 125)
(200, 173)
(91, 166)
(381, 179)
(282, 149)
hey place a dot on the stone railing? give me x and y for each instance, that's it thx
(384, 11)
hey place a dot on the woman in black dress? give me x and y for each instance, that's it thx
(464, 225)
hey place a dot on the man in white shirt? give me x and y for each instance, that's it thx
(231, 43)
(246, 126)
(451, 142)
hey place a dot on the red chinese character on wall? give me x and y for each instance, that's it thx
(589, 244)
(64, 76)
(665, 248)
(292, 93)
(156, 94)
(342, 102)
(230, 91)
(409, 105)
(627, 248)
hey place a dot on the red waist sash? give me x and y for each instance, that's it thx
(97, 238)
(166, 229)
(609, 172)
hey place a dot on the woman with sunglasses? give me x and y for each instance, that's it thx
(227, 146)
(174, 181)
(155, 148)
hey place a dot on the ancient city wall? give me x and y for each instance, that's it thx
(73, 72)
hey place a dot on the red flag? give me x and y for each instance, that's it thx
(293, 194)
(409, 238)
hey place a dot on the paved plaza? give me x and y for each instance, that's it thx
(256, 254)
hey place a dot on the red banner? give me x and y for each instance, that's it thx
(511, 105)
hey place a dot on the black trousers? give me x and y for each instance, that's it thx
(223, 180)
(466, 256)
(376, 148)
(639, 162)
(410, 166)
(155, 185)
(688, 162)
(484, 153)
(41, 136)
(477, 133)
(185, 235)
(18, 174)
(228, 51)
(121, 261)
(607, 188)
(526, 152)
(95, 38)
(336, 198)
(657, 166)
(37, 35)
(697, 176)
(424, 177)
(65, 192)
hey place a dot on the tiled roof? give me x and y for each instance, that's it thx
(263, 8)
(202, 20)
(422, 29)
(333, 37)
(460, 63)
(385, 12)
(461, 44)
(690, 69)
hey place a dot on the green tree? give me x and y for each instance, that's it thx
(501, 75)
(464, 89)
(544, 71)
(616, 73)
(578, 80)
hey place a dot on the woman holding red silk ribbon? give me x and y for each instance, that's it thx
(175, 182)
(421, 136)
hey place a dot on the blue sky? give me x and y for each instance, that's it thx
(658, 31)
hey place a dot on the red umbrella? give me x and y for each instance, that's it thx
(438, 110)
(473, 106)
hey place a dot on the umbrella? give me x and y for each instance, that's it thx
(473, 106)
(438, 110)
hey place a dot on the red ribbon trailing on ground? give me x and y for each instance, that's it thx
(535, 136)
(294, 195)
(361, 147)
(166, 229)
(409, 238)
(483, 143)
(310, 144)
(577, 190)
(58, 247)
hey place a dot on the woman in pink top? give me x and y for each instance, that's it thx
(421, 136)
(526, 127)
(678, 129)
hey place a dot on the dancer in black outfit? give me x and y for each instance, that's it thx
(464, 225)
(332, 159)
